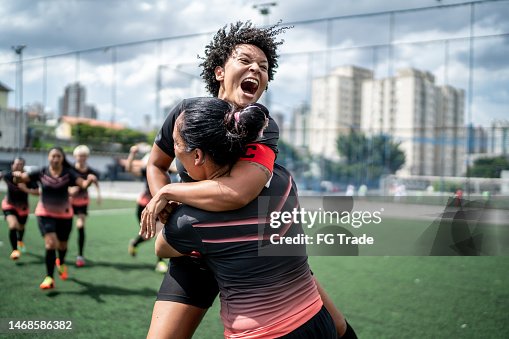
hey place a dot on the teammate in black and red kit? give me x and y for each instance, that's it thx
(54, 211)
(142, 201)
(239, 62)
(15, 207)
(80, 199)
(261, 296)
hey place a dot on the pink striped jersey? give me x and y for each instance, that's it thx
(16, 199)
(261, 296)
(54, 199)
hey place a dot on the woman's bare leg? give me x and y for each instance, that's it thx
(174, 320)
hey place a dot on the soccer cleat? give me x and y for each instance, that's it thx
(47, 283)
(21, 247)
(15, 254)
(80, 261)
(161, 266)
(62, 270)
(131, 249)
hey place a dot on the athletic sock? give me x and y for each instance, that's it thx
(139, 239)
(20, 235)
(81, 240)
(349, 333)
(61, 256)
(50, 262)
(13, 238)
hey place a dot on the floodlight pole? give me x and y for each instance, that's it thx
(18, 49)
(264, 10)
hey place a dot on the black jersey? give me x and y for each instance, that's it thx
(80, 197)
(16, 198)
(260, 295)
(54, 200)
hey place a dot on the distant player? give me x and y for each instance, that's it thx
(15, 207)
(80, 199)
(54, 211)
(142, 201)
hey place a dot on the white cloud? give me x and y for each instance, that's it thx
(50, 27)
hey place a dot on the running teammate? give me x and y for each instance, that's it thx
(54, 211)
(16, 208)
(80, 199)
(142, 201)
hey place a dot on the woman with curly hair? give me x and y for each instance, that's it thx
(239, 62)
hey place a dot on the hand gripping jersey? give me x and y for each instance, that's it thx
(261, 296)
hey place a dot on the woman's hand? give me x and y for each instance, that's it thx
(150, 214)
(73, 190)
(91, 178)
(17, 177)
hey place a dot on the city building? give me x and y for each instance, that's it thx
(498, 139)
(12, 125)
(450, 137)
(73, 102)
(298, 129)
(336, 104)
(4, 95)
(477, 139)
(427, 119)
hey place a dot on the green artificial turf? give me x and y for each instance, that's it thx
(381, 296)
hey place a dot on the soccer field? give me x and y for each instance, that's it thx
(382, 297)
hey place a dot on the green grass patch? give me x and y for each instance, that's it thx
(382, 297)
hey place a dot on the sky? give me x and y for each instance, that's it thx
(119, 49)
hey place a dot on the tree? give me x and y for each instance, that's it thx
(488, 167)
(103, 139)
(366, 159)
(291, 158)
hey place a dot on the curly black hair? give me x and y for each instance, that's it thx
(224, 41)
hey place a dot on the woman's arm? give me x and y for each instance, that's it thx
(245, 181)
(20, 177)
(157, 169)
(99, 199)
(129, 165)
(85, 183)
(241, 186)
(24, 188)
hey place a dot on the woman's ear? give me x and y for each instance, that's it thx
(219, 72)
(199, 157)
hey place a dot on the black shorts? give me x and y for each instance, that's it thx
(21, 220)
(62, 227)
(320, 326)
(80, 209)
(190, 282)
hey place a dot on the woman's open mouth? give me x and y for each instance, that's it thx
(249, 85)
